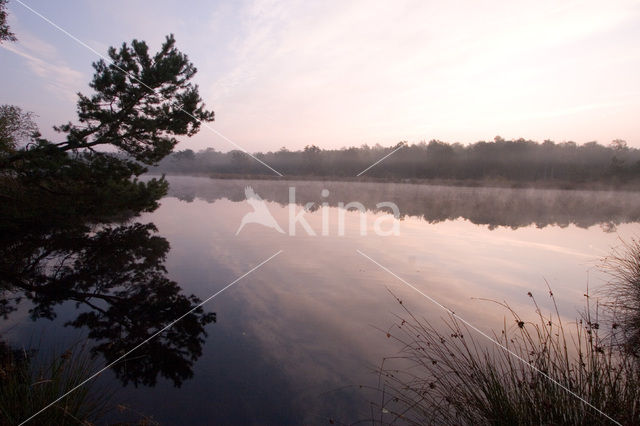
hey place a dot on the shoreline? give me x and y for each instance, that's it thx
(486, 183)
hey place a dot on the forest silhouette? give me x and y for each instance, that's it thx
(515, 161)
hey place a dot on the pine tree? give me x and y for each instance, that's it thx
(5, 31)
(140, 104)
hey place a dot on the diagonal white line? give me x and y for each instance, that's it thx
(77, 40)
(97, 373)
(398, 148)
(494, 341)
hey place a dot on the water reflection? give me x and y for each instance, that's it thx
(296, 339)
(493, 207)
(115, 276)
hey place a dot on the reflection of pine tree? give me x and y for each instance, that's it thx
(62, 236)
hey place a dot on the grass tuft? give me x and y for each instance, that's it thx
(450, 375)
(28, 384)
(623, 292)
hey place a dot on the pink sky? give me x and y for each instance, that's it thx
(346, 73)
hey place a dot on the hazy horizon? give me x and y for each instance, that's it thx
(451, 234)
(283, 73)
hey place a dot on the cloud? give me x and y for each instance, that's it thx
(43, 60)
(346, 72)
(334, 73)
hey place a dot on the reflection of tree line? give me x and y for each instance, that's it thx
(483, 206)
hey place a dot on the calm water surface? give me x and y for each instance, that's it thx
(295, 339)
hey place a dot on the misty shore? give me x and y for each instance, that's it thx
(620, 185)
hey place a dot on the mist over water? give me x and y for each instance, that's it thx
(494, 207)
(294, 341)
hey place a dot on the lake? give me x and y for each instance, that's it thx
(298, 339)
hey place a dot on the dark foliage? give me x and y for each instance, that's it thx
(16, 127)
(5, 31)
(141, 103)
(66, 233)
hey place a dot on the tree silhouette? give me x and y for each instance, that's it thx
(5, 31)
(140, 103)
(16, 126)
(517, 162)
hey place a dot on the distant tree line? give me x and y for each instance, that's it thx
(513, 160)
